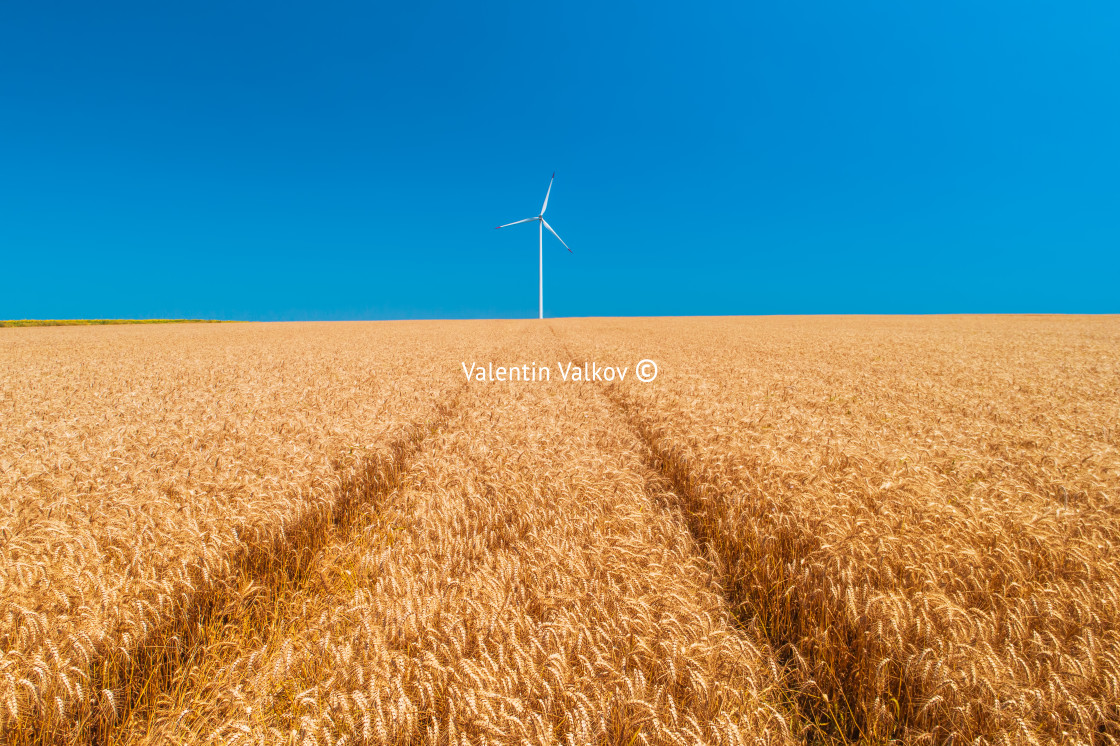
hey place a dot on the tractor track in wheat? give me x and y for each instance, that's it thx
(263, 575)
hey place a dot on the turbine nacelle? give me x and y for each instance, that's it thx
(541, 217)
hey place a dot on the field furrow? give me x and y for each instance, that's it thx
(925, 568)
(105, 581)
(526, 584)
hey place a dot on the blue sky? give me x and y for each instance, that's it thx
(339, 161)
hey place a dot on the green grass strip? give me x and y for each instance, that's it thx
(102, 322)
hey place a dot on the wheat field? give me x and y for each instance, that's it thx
(804, 531)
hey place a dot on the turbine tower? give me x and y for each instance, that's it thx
(540, 239)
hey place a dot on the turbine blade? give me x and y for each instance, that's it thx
(546, 225)
(545, 205)
(515, 222)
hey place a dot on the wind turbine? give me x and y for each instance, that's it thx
(540, 238)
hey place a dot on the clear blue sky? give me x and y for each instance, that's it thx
(333, 161)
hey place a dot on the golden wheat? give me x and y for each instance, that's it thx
(920, 515)
(521, 586)
(805, 530)
(141, 465)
